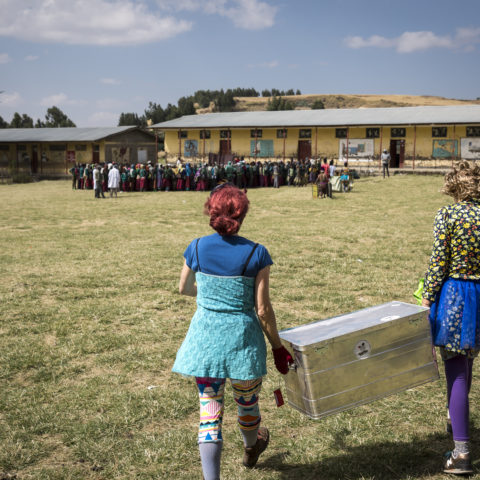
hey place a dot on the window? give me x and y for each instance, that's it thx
(439, 131)
(473, 131)
(204, 134)
(182, 134)
(57, 147)
(21, 148)
(305, 133)
(373, 132)
(96, 147)
(81, 148)
(256, 133)
(4, 148)
(397, 132)
(225, 134)
(282, 133)
(261, 148)
(341, 132)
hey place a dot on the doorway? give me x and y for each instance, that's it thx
(304, 149)
(397, 153)
(34, 164)
(225, 147)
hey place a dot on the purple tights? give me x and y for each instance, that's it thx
(458, 371)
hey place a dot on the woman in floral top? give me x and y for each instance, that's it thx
(452, 291)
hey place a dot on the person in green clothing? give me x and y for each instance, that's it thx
(229, 172)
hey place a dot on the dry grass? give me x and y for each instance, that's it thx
(350, 101)
(91, 317)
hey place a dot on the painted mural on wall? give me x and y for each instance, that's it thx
(445, 148)
(191, 148)
(360, 148)
(261, 148)
(121, 155)
(470, 148)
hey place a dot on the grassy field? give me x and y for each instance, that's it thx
(91, 318)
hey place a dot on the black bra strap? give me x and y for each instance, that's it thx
(248, 259)
(196, 251)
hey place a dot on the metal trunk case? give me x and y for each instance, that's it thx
(352, 359)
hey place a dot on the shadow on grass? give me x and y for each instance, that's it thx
(419, 458)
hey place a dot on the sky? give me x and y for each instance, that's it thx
(95, 59)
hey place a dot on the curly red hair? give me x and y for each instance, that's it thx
(227, 208)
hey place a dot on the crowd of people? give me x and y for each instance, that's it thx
(202, 176)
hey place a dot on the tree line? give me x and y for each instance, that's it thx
(217, 100)
(53, 118)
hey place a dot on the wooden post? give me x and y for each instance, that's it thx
(156, 147)
(348, 133)
(284, 134)
(255, 150)
(316, 142)
(229, 135)
(414, 145)
(454, 153)
(204, 136)
(380, 155)
(180, 143)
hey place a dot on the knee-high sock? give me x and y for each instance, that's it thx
(210, 454)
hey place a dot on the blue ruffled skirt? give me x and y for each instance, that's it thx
(455, 316)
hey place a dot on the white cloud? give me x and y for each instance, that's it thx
(271, 64)
(59, 99)
(11, 100)
(248, 14)
(110, 81)
(4, 58)
(93, 22)
(408, 42)
(31, 58)
(103, 119)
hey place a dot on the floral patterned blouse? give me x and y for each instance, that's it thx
(456, 246)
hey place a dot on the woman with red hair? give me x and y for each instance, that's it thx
(229, 276)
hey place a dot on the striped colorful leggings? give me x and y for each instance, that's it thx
(211, 392)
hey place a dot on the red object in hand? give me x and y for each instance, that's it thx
(282, 359)
(278, 397)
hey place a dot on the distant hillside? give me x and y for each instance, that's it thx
(304, 102)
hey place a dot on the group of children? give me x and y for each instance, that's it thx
(202, 177)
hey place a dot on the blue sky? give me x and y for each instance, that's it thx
(97, 58)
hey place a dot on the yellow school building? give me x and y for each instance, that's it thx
(414, 136)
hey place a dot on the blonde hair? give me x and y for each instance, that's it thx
(463, 182)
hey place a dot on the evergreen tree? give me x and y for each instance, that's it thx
(186, 106)
(155, 113)
(266, 93)
(56, 118)
(318, 105)
(128, 119)
(3, 123)
(21, 121)
(298, 92)
(290, 92)
(171, 112)
(279, 103)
